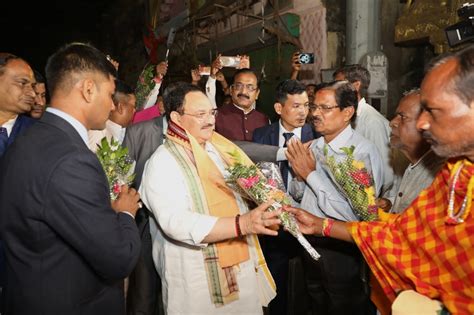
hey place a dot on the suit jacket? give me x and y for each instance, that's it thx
(67, 250)
(142, 139)
(22, 123)
(270, 134)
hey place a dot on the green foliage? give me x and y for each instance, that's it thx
(144, 85)
(116, 163)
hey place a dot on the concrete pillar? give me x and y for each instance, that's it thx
(362, 29)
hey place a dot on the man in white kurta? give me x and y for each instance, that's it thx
(179, 232)
(177, 242)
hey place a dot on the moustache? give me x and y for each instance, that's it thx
(243, 95)
(315, 119)
(206, 126)
(428, 136)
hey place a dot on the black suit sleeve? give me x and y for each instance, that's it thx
(79, 210)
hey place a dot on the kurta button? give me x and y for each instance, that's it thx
(400, 194)
(246, 131)
(245, 117)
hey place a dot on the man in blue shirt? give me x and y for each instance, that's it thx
(334, 282)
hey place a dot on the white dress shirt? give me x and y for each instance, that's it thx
(112, 130)
(373, 126)
(8, 125)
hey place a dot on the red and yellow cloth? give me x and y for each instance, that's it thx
(417, 250)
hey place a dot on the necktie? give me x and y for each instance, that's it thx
(3, 140)
(284, 166)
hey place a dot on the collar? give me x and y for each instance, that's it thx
(115, 129)
(296, 131)
(244, 110)
(341, 139)
(76, 124)
(412, 166)
(361, 106)
(9, 125)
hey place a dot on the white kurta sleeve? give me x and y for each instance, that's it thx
(166, 194)
(211, 91)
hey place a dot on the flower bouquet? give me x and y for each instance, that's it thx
(118, 166)
(146, 82)
(262, 184)
(353, 177)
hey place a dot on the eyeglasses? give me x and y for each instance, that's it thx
(300, 106)
(322, 108)
(240, 86)
(202, 116)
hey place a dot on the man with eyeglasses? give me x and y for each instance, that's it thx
(334, 282)
(237, 121)
(205, 247)
(292, 106)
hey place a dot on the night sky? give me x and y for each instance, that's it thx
(34, 30)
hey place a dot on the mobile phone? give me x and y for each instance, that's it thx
(306, 58)
(230, 61)
(204, 70)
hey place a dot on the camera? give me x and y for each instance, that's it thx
(204, 70)
(230, 61)
(306, 58)
(462, 31)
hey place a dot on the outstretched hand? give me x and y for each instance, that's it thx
(307, 223)
(260, 221)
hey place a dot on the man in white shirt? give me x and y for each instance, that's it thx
(334, 282)
(115, 127)
(372, 125)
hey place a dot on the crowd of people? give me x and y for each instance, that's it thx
(180, 240)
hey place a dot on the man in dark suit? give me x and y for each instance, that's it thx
(17, 96)
(292, 106)
(68, 247)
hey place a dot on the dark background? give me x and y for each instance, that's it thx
(34, 30)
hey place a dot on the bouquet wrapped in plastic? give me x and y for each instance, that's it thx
(118, 166)
(353, 178)
(264, 183)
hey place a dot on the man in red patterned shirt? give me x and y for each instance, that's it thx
(427, 248)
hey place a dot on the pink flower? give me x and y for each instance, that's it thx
(247, 183)
(272, 182)
(116, 188)
(372, 209)
(361, 177)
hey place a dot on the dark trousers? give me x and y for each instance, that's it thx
(144, 291)
(337, 283)
(278, 251)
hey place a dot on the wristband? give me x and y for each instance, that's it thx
(327, 226)
(237, 226)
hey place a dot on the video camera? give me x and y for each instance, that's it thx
(462, 31)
